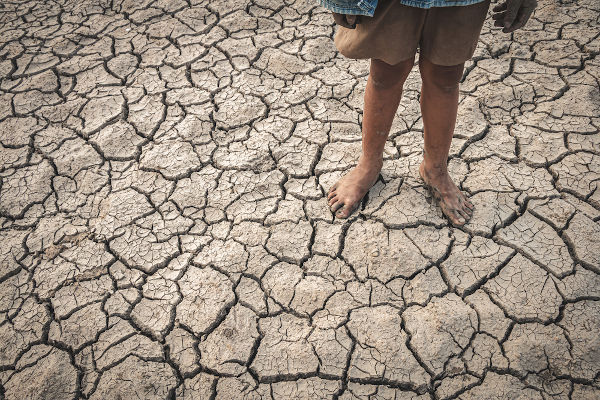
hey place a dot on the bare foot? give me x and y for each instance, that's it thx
(452, 201)
(346, 194)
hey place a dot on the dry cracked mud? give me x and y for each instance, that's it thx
(165, 231)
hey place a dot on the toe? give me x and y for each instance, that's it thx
(469, 204)
(342, 213)
(464, 206)
(337, 205)
(466, 201)
(469, 211)
(333, 187)
(345, 211)
(332, 200)
(331, 194)
(460, 218)
(458, 221)
(454, 217)
(463, 213)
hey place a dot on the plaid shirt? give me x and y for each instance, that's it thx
(367, 7)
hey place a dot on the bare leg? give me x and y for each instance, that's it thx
(439, 104)
(382, 96)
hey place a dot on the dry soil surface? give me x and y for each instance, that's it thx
(165, 231)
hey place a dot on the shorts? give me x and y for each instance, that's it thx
(444, 35)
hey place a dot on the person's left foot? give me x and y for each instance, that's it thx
(452, 201)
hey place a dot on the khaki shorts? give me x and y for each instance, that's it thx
(444, 35)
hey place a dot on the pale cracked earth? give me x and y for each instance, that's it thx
(165, 231)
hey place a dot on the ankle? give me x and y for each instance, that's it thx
(435, 169)
(370, 162)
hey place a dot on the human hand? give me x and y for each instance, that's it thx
(346, 20)
(513, 14)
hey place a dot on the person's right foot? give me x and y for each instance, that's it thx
(345, 195)
(452, 201)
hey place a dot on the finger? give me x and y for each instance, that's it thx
(522, 18)
(340, 19)
(500, 7)
(513, 27)
(499, 16)
(511, 12)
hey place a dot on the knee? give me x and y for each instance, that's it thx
(386, 76)
(442, 77)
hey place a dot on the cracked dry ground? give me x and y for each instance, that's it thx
(165, 231)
